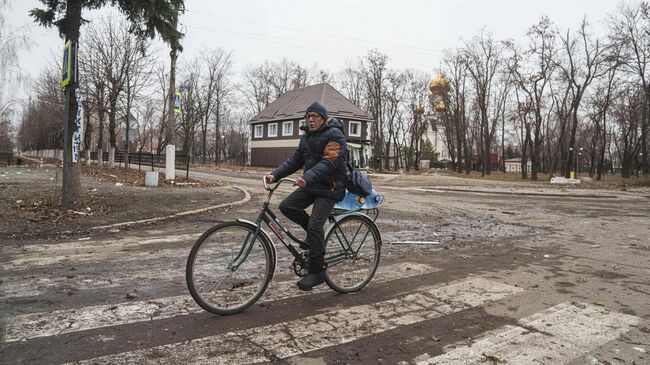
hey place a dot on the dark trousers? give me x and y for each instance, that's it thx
(293, 207)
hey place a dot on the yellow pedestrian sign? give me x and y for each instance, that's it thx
(66, 67)
(177, 102)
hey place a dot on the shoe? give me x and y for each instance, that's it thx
(304, 246)
(311, 280)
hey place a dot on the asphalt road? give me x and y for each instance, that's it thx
(501, 275)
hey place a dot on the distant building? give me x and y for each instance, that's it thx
(436, 135)
(495, 162)
(514, 165)
(275, 133)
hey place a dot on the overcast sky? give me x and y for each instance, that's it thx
(337, 32)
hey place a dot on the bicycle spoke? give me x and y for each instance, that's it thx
(215, 283)
(352, 253)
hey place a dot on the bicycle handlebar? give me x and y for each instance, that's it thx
(266, 186)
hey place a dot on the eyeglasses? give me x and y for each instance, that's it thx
(312, 115)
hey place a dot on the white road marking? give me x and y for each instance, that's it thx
(35, 325)
(73, 247)
(554, 336)
(281, 340)
(16, 286)
(98, 254)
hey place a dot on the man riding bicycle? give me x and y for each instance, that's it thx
(322, 153)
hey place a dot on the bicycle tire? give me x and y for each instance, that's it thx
(354, 270)
(217, 288)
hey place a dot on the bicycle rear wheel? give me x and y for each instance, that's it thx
(217, 278)
(352, 251)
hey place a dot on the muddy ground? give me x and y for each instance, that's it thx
(30, 198)
(575, 260)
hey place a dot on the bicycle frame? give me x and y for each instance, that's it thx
(284, 235)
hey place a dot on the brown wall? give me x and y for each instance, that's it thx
(364, 135)
(270, 156)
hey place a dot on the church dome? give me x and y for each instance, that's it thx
(439, 85)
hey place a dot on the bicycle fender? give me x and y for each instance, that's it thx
(253, 226)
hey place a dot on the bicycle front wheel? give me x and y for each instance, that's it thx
(229, 268)
(352, 250)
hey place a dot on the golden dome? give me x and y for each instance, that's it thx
(440, 106)
(418, 109)
(439, 85)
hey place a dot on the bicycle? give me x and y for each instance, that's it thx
(231, 265)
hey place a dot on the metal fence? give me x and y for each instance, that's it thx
(147, 159)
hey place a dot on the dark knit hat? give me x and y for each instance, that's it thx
(316, 107)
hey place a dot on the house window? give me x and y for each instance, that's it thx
(354, 129)
(273, 130)
(301, 123)
(259, 131)
(287, 128)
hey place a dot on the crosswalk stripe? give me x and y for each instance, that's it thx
(72, 247)
(33, 325)
(16, 286)
(99, 255)
(281, 340)
(554, 336)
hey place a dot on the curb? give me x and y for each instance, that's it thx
(569, 195)
(247, 197)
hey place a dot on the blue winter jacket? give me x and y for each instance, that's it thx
(323, 155)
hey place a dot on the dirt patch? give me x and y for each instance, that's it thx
(133, 177)
(30, 200)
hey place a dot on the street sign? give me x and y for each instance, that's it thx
(177, 102)
(66, 67)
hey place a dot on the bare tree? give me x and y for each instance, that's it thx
(146, 124)
(455, 70)
(12, 38)
(584, 62)
(114, 50)
(41, 126)
(483, 56)
(138, 78)
(374, 68)
(532, 71)
(352, 85)
(217, 88)
(190, 117)
(601, 101)
(161, 91)
(524, 110)
(630, 31)
(257, 88)
(394, 98)
(95, 86)
(628, 113)
(416, 94)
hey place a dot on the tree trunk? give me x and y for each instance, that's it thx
(112, 111)
(101, 114)
(170, 126)
(71, 190)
